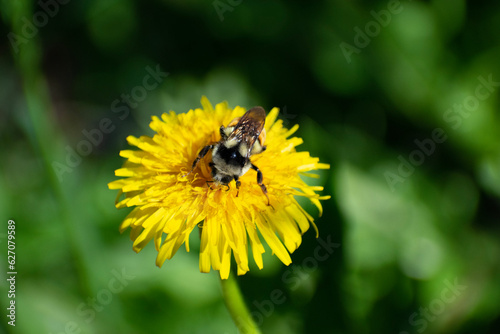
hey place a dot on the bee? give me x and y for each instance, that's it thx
(243, 137)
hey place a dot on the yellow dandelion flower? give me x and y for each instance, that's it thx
(168, 204)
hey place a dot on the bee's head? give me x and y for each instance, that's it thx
(226, 179)
(220, 178)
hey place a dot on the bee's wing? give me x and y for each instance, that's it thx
(249, 127)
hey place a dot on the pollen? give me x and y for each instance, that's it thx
(168, 205)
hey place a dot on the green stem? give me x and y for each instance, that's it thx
(236, 306)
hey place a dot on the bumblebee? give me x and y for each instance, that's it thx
(243, 137)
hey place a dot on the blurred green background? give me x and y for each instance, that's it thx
(401, 98)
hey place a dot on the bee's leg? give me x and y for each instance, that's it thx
(202, 154)
(208, 184)
(222, 132)
(259, 181)
(238, 184)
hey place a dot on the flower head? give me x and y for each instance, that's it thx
(170, 202)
